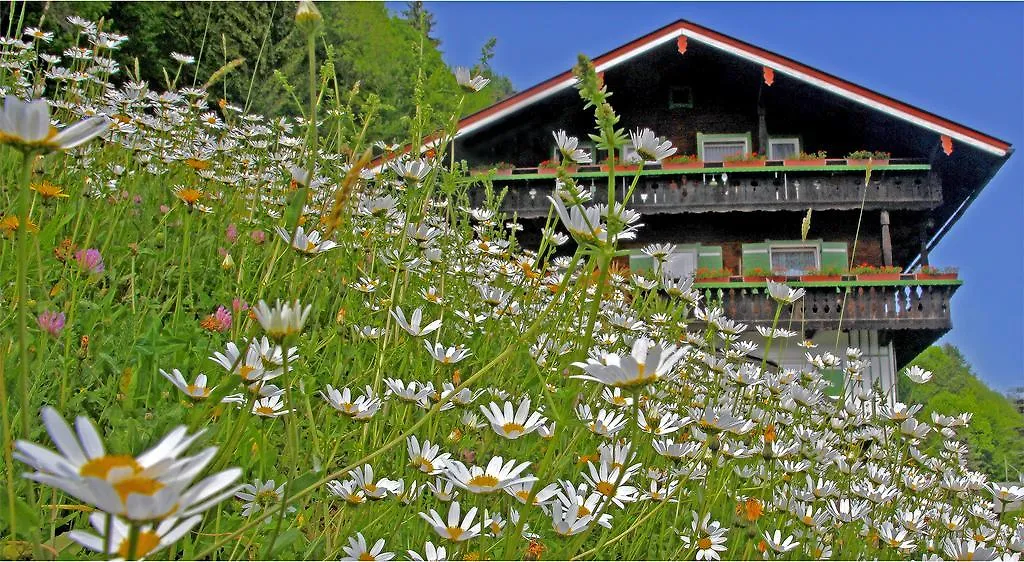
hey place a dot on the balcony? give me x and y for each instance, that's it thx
(900, 184)
(914, 313)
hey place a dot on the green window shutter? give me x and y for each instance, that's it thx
(709, 257)
(835, 380)
(756, 256)
(640, 262)
(834, 254)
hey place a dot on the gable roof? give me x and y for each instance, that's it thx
(780, 64)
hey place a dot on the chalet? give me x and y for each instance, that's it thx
(762, 139)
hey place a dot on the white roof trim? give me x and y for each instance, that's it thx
(558, 87)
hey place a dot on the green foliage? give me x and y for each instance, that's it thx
(994, 435)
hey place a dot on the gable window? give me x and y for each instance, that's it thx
(782, 148)
(680, 97)
(715, 148)
(793, 260)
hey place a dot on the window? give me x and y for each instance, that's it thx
(680, 97)
(681, 265)
(782, 148)
(715, 148)
(793, 260)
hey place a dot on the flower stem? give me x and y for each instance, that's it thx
(24, 200)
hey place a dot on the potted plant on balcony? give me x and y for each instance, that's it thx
(867, 157)
(760, 275)
(503, 169)
(550, 166)
(713, 275)
(865, 272)
(499, 169)
(619, 166)
(807, 160)
(825, 274)
(930, 272)
(681, 162)
(740, 160)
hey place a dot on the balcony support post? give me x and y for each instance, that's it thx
(886, 240)
(923, 237)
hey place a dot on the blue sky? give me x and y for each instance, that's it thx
(964, 62)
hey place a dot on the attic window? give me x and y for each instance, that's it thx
(715, 148)
(680, 97)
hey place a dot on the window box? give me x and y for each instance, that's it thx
(552, 170)
(503, 172)
(878, 277)
(935, 276)
(764, 278)
(804, 163)
(819, 278)
(620, 168)
(744, 163)
(695, 164)
(874, 163)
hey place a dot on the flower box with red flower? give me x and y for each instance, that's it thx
(751, 160)
(503, 169)
(928, 272)
(865, 272)
(807, 160)
(868, 158)
(827, 274)
(549, 167)
(713, 275)
(681, 162)
(619, 166)
(759, 275)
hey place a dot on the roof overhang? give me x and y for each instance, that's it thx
(780, 64)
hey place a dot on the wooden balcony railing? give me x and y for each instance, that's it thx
(773, 188)
(896, 305)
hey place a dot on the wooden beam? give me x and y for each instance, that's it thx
(886, 239)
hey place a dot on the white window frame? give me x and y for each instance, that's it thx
(772, 248)
(696, 260)
(731, 137)
(772, 141)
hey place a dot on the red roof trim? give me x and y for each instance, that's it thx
(784, 63)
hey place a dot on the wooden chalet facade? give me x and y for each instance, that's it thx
(716, 97)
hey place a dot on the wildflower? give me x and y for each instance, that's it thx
(258, 236)
(281, 321)
(270, 407)
(260, 496)
(494, 477)
(427, 458)
(412, 171)
(190, 196)
(195, 391)
(219, 321)
(513, 425)
(606, 480)
(783, 294)
(412, 326)
(374, 489)
(155, 485)
(90, 261)
(47, 190)
(362, 408)
(443, 489)
(357, 550)
(632, 370)
(917, 374)
(51, 322)
(118, 539)
(306, 242)
(231, 233)
(183, 59)
(707, 537)
(471, 84)
(776, 543)
(568, 147)
(452, 529)
(447, 356)
(26, 125)
(648, 147)
(414, 392)
(307, 15)
(567, 521)
(431, 553)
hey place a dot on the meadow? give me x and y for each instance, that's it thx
(232, 336)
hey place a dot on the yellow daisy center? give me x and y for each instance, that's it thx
(148, 540)
(264, 410)
(366, 556)
(582, 511)
(512, 427)
(704, 543)
(454, 533)
(100, 467)
(483, 481)
(605, 488)
(190, 195)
